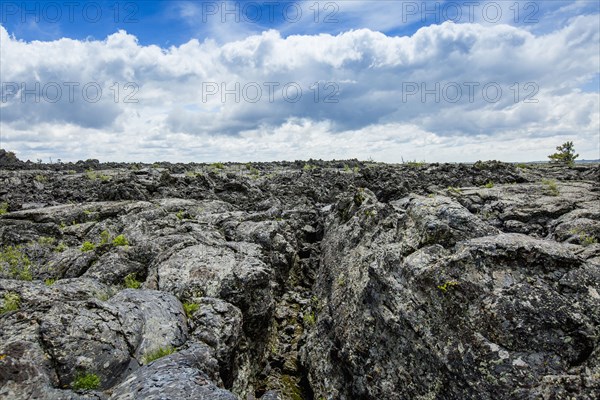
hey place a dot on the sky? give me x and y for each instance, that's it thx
(387, 80)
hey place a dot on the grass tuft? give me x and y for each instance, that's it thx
(120, 240)
(87, 246)
(12, 302)
(86, 382)
(131, 281)
(158, 353)
(190, 309)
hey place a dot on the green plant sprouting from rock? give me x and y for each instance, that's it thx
(551, 187)
(447, 285)
(87, 246)
(359, 197)
(131, 281)
(120, 240)
(60, 248)
(585, 239)
(12, 302)
(16, 263)
(370, 213)
(46, 241)
(190, 309)
(86, 381)
(309, 318)
(157, 353)
(94, 176)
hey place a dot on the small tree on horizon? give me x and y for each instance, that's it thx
(566, 154)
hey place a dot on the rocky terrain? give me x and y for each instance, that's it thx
(299, 280)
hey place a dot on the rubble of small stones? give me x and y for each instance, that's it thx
(299, 280)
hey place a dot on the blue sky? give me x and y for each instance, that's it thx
(390, 80)
(173, 22)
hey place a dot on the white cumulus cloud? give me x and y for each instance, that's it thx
(449, 92)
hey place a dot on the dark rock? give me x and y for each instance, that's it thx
(299, 280)
(180, 376)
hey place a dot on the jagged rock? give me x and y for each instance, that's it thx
(85, 337)
(219, 325)
(381, 282)
(151, 320)
(9, 160)
(180, 376)
(486, 318)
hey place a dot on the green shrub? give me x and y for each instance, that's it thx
(12, 302)
(3, 208)
(49, 281)
(46, 241)
(180, 215)
(60, 247)
(489, 185)
(309, 319)
(91, 175)
(41, 178)
(587, 240)
(190, 309)
(87, 246)
(551, 187)
(217, 165)
(120, 240)
(86, 382)
(565, 155)
(415, 163)
(16, 263)
(158, 353)
(359, 197)
(447, 285)
(255, 172)
(454, 190)
(131, 281)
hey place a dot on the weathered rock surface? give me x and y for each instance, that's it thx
(188, 374)
(286, 281)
